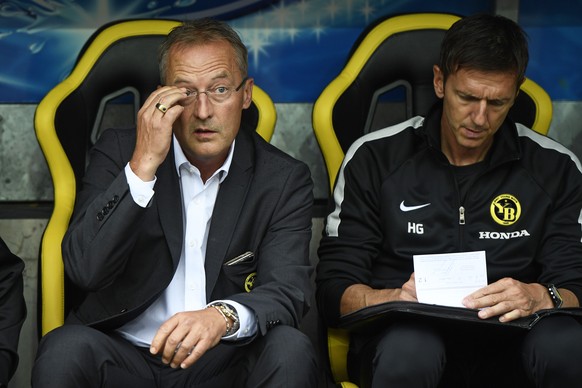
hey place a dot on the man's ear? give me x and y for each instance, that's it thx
(248, 91)
(438, 81)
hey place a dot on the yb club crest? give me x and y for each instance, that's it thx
(505, 209)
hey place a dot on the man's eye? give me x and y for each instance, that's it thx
(221, 90)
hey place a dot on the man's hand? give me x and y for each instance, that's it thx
(358, 296)
(154, 130)
(509, 299)
(186, 336)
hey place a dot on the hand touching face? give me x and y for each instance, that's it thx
(201, 104)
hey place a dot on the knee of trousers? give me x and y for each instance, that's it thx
(62, 353)
(286, 344)
(410, 350)
(67, 344)
(290, 339)
(284, 356)
(555, 347)
(560, 349)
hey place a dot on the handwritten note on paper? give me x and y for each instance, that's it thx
(445, 279)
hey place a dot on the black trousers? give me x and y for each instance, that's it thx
(79, 356)
(411, 354)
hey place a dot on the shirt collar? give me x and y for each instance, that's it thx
(180, 160)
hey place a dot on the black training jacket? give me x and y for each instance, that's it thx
(396, 195)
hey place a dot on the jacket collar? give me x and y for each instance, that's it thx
(229, 204)
(169, 204)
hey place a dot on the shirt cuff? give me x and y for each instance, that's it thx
(141, 192)
(246, 318)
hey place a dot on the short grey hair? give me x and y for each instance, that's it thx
(200, 31)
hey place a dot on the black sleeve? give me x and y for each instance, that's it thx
(12, 311)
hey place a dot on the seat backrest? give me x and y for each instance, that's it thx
(115, 72)
(388, 78)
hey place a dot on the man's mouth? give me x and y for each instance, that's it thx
(473, 132)
(203, 131)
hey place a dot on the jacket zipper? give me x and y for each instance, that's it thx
(461, 210)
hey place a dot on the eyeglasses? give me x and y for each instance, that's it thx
(219, 94)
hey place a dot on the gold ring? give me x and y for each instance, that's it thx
(161, 107)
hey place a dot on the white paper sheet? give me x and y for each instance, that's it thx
(445, 279)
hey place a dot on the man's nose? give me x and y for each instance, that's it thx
(203, 107)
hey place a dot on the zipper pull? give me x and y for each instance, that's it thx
(461, 215)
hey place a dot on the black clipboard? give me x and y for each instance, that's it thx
(380, 315)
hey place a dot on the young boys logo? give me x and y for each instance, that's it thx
(505, 209)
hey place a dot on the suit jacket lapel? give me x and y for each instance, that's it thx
(231, 197)
(169, 198)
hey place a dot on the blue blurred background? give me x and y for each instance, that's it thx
(296, 47)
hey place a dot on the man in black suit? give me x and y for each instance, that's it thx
(12, 311)
(190, 238)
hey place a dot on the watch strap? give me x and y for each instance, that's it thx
(229, 314)
(554, 295)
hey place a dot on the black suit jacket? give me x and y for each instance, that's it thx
(123, 256)
(12, 311)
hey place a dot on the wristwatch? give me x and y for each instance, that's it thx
(229, 312)
(555, 295)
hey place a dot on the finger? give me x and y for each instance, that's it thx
(165, 98)
(162, 335)
(510, 316)
(172, 113)
(195, 353)
(483, 301)
(161, 107)
(173, 347)
(483, 297)
(174, 356)
(167, 112)
(184, 349)
(155, 97)
(498, 309)
(480, 293)
(201, 340)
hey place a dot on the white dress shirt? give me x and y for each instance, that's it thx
(187, 290)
